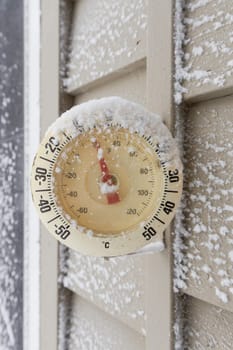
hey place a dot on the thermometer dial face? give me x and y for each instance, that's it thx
(105, 191)
(114, 200)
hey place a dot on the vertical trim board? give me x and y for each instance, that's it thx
(159, 303)
(49, 104)
(31, 222)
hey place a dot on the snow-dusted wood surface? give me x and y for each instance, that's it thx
(107, 37)
(102, 64)
(115, 285)
(208, 204)
(204, 226)
(101, 288)
(49, 111)
(91, 328)
(208, 326)
(208, 59)
(120, 86)
(108, 303)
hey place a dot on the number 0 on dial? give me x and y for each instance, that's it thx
(107, 179)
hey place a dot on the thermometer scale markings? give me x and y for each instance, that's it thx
(119, 146)
(56, 217)
(45, 190)
(48, 160)
(162, 222)
(171, 191)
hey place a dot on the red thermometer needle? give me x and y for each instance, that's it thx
(112, 197)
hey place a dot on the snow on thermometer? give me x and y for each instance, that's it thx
(107, 178)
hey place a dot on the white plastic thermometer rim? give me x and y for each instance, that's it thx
(101, 114)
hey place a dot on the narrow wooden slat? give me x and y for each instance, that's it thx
(208, 50)
(159, 95)
(209, 203)
(49, 103)
(92, 328)
(115, 285)
(108, 38)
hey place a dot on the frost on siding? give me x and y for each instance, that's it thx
(10, 242)
(203, 227)
(65, 27)
(208, 47)
(116, 285)
(179, 30)
(206, 224)
(107, 35)
(11, 183)
(93, 329)
(208, 326)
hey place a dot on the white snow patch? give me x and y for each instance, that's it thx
(206, 269)
(100, 153)
(230, 63)
(58, 170)
(219, 261)
(221, 295)
(230, 254)
(155, 247)
(180, 73)
(223, 230)
(197, 51)
(106, 188)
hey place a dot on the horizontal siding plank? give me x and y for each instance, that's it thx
(209, 327)
(93, 329)
(131, 86)
(115, 285)
(107, 37)
(208, 205)
(208, 48)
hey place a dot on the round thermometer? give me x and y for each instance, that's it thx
(107, 178)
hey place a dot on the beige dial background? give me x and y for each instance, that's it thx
(136, 170)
